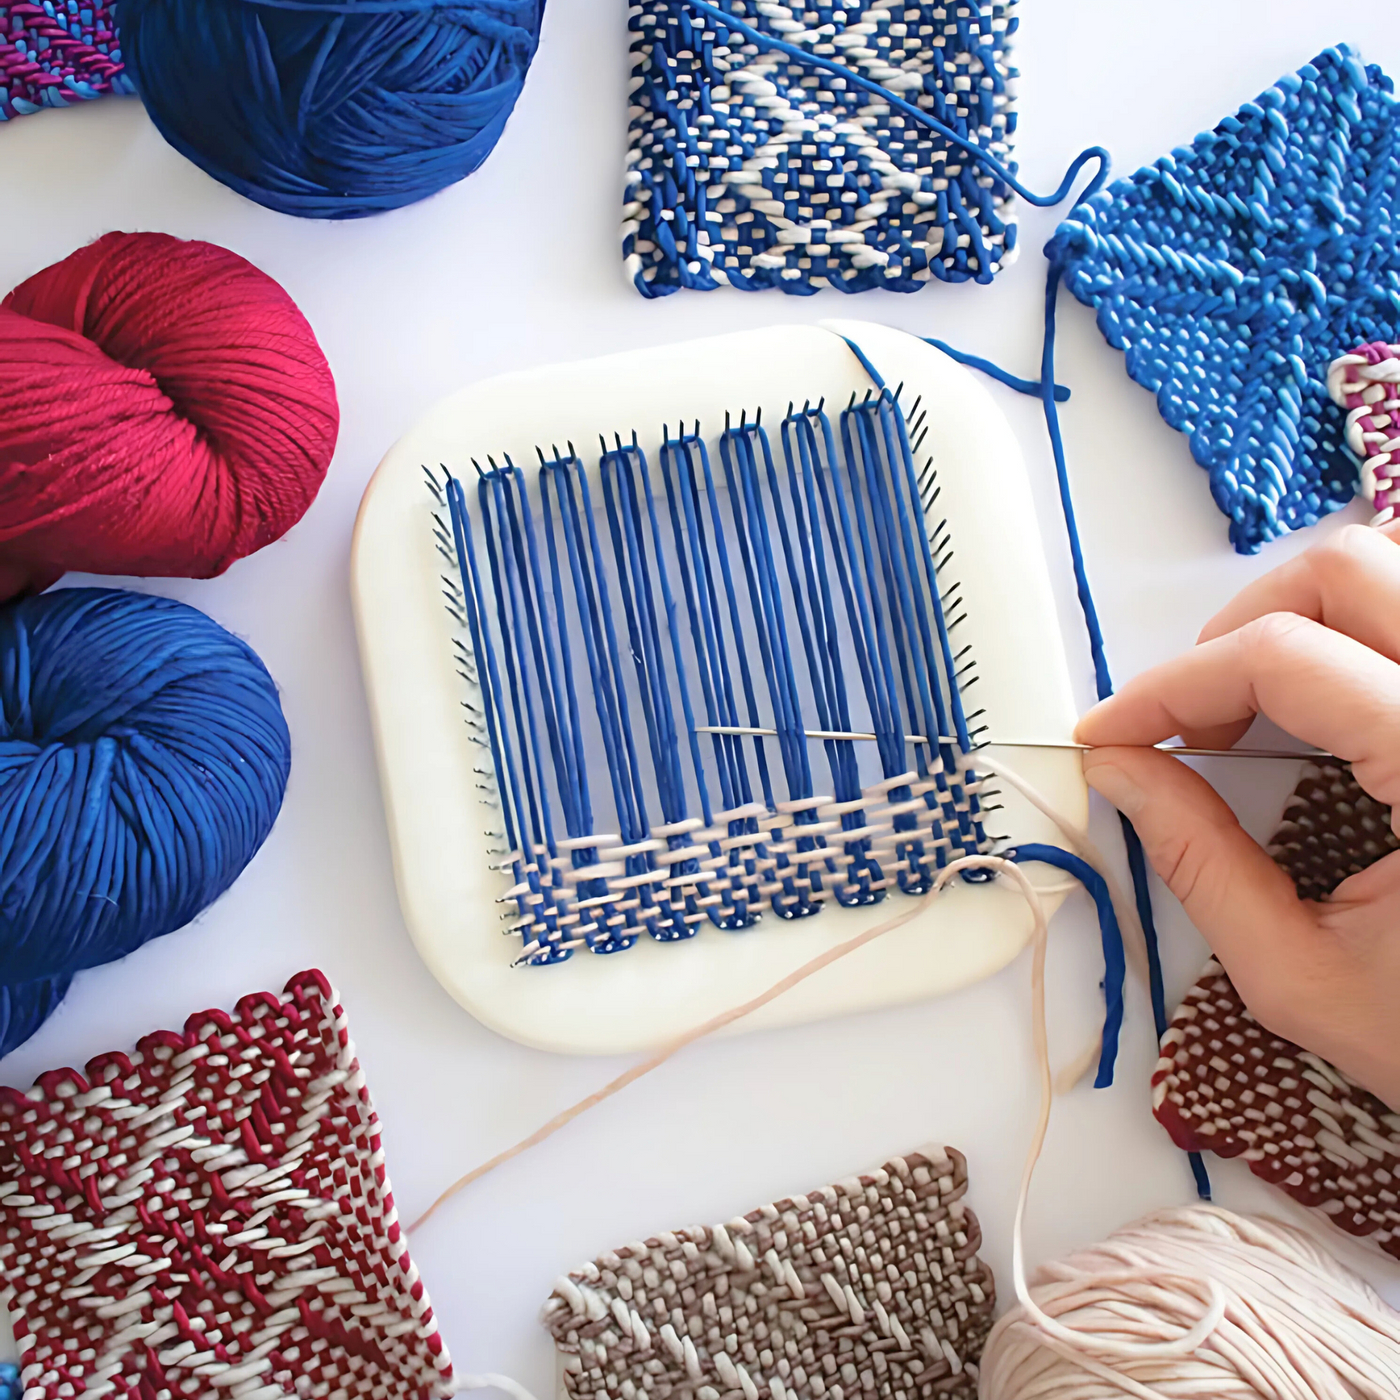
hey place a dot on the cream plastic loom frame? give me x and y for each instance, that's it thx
(627, 1001)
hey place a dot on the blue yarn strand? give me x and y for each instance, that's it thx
(971, 148)
(1103, 682)
(992, 370)
(1050, 393)
(143, 759)
(668, 602)
(1114, 962)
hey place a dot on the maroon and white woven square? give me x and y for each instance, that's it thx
(1226, 1085)
(210, 1216)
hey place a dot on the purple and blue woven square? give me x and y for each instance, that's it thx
(56, 53)
(753, 168)
(1231, 273)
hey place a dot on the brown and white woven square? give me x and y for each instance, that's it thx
(1226, 1085)
(210, 1216)
(1330, 830)
(869, 1288)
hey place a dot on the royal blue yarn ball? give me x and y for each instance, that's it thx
(331, 109)
(143, 758)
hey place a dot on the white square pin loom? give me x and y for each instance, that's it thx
(667, 706)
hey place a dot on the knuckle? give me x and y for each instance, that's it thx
(1272, 633)
(1337, 558)
(1352, 540)
(1180, 864)
(1276, 627)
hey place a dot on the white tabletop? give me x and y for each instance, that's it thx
(519, 265)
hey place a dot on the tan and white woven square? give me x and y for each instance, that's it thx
(869, 1288)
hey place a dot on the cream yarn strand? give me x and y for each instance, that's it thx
(1296, 1324)
(1191, 1304)
(1078, 838)
(659, 1057)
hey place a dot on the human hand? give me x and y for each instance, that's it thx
(1315, 646)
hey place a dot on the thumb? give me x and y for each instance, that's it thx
(1244, 906)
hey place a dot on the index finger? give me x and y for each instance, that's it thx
(1317, 684)
(1350, 582)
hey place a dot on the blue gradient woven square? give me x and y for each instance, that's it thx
(1232, 272)
(753, 169)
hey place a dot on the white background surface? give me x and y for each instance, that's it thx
(517, 266)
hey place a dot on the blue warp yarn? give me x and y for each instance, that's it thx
(331, 109)
(9, 1381)
(143, 759)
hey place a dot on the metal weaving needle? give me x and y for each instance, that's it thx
(1186, 751)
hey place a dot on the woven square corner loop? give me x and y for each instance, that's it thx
(1366, 384)
(210, 1215)
(1233, 272)
(753, 167)
(869, 1287)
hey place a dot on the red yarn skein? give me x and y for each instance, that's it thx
(164, 410)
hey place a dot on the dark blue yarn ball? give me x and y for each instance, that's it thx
(331, 109)
(143, 758)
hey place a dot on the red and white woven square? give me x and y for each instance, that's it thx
(211, 1216)
(1225, 1084)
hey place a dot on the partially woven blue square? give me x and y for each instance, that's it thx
(1232, 272)
(753, 169)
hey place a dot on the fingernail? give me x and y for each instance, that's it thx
(1084, 725)
(1113, 784)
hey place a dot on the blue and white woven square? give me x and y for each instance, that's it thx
(753, 168)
